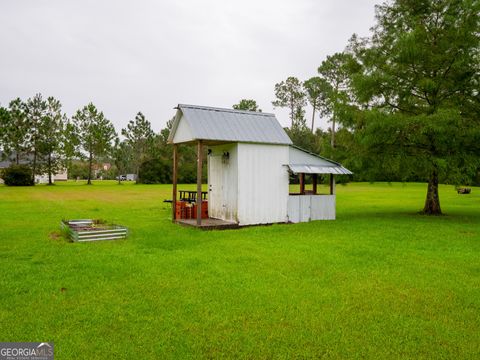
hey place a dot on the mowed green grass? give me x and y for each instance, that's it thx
(379, 282)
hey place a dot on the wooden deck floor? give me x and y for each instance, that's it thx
(209, 224)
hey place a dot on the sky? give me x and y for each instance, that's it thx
(149, 56)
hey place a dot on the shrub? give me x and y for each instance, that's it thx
(154, 171)
(17, 175)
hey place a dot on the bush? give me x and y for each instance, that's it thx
(154, 171)
(78, 169)
(17, 175)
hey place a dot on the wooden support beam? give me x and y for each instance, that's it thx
(174, 181)
(314, 184)
(302, 184)
(332, 185)
(199, 182)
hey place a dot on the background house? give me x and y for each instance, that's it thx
(7, 160)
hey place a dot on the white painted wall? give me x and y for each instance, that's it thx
(251, 187)
(43, 179)
(223, 182)
(262, 183)
(183, 133)
(303, 208)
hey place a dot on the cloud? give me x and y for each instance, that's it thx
(130, 56)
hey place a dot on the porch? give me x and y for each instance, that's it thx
(208, 224)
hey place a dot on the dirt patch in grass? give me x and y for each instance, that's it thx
(58, 235)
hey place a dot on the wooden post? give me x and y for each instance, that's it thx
(332, 185)
(174, 181)
(314, 184)
(199, 182)
(302, 184)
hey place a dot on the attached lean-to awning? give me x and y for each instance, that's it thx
(304, 162)
(313, 169)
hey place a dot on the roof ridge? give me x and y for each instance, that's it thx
(210, 108)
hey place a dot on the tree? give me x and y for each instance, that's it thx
(35, 112)
(70, 143)
(248, 105)
(51, 137)
(335, 72)
(4, 123)
(316, 90)
(139, 135)
(95, 134)
(122, 156)
(419, 77)
(15, 129)
(290, 94)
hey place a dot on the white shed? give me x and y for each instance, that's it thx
(249, 160)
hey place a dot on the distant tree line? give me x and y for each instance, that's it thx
(37, 137)
(402, 104)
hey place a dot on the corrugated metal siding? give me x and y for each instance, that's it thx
(262, 183)
(304, 208)
(216, 124)
(222, 183)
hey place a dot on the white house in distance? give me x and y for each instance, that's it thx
(61, 175)
(249, 159)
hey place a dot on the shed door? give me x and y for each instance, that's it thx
(216, 208)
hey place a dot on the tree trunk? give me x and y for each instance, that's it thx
(333, 132)
(49, 169)
(313, 116)
(292, 114)
(34, 165)
(90, 160)
(432, 202)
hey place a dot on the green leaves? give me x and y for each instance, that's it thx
(139, 136)
(95, 133)
(248, 105)
(418, 82)
(290, 94)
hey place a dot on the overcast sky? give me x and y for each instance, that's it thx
(130, 56)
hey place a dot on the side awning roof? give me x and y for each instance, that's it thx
(302, 161)
(311, 169)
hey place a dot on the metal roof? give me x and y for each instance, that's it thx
(302, 161)
(310, 169)
(216, 124)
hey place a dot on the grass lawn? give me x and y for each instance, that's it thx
(379, 282)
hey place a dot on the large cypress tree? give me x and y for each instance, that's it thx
(419, 79)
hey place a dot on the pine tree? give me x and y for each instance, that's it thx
(139, 135)
(51, 138)
(247, 105)
(290, 94)
(95, 134)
